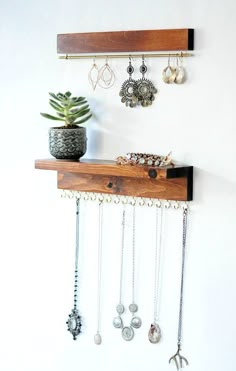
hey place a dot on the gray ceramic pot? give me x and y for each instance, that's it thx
(67, 143)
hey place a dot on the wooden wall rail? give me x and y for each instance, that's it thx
(170, 183)
(126, 41)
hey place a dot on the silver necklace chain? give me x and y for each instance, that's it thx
(74, 319)
(177, 358)
(158, 245)
(127, 331)
(97, 336)
(182, 277)
(154, 333)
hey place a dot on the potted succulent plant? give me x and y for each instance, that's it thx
(68, 141)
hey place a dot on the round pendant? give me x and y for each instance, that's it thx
(133, 308)
(127, 333)
(136, 322)
(97, 339)
(74, 323)
(117, 322)
(120, 308)
(154, 334)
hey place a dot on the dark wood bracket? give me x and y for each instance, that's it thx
(169, 183)
(126, 41)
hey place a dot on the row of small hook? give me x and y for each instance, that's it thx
(126, 200)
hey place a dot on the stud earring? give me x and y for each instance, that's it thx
(145, 88)
(93, 75)
(106, 76)
(169, 73)
(128, 92)
(180, 73)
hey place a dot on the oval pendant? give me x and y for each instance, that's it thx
(154, 334)
(136, 322)
(97, 339)
(117, 322)
(127, 333)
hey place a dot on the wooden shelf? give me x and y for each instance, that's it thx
(101, 176)
(126, 41)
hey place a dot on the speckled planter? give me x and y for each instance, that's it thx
(67, 143)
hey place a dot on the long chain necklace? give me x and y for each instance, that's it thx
(74, 320)
(127, 331)
(177, 357)
(97, 336)
(154, 334)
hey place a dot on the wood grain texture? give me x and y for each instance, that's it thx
(104, 167)
(126, 41)
(173, 189)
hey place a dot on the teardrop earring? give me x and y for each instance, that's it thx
(145, 88)
(180, 73)
(128, 92)
(169, 73)
(93, 75)
(106, 76)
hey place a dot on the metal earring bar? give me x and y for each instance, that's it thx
(117, 199)
(149, 55)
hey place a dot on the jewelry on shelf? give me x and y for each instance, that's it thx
(97, 336)
(180, 73)
(177, 357)
(145, 88)
(74, 320)
(135, 323)
(128, 92)
(106, 76)
(144, 159)
(169, 73)
(93, 75)
(154, 334)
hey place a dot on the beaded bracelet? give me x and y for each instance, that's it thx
(144, 159)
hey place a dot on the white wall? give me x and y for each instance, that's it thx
(196, 121)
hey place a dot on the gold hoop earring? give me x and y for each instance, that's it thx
(106, 76)
(93, 75)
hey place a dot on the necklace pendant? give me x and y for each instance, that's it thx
(74, 323)
(127, 333)
(117, 322)
(97, 339)
(136, 322)
(154, 334)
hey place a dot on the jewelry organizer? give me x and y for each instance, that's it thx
(146, 182)
(100, 176)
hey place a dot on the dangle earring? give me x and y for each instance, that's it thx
(128, 92)
(169, 73)
(106, 76)
(93, 75)
(145, 88)
(74, 320)
(180, 73)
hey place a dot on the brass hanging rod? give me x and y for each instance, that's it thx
(109, 56)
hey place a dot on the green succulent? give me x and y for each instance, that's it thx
(73, 111)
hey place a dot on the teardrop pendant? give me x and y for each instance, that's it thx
(154, 334)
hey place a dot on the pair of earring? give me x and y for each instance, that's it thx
(174, 74)
(104, 76)
(137, 92)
